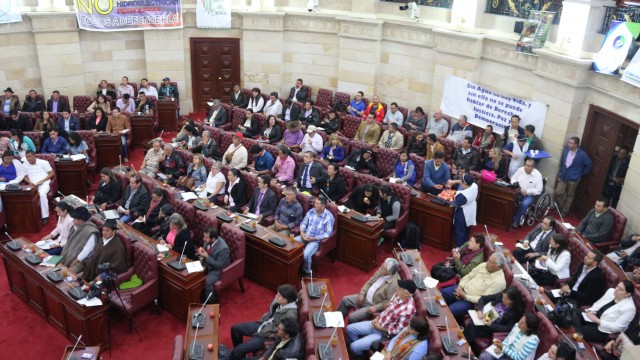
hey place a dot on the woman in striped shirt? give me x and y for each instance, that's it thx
(520, 344)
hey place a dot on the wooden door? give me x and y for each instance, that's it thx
(215, 67)
(601, 135)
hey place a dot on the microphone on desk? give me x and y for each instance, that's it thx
(558, 210)
(566, 337)
(197, 350)
(327, 196)
(405, 257)
(198, 319)
(127, 231)
(413, 191)
(12, 245)
(74, 347)
(134, 169)
(178, 265)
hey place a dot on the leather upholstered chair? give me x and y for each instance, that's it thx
(327, 245)
(87, 136)
(418, 163)
(225, 141)
(613, 242)
(449, 149)
(350, 126)
(386, 161)
(404, 193)
(81, 103)
(344, 98)
(324, 99)
(235, 239)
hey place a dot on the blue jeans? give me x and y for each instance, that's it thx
(524, 205)
(124, 145)
(126, 218)
(309, 250)
(458, 307)
(361, 336)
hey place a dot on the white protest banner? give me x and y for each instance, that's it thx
(632, 73)
(213, 14)
(484, 107)
(9, 11)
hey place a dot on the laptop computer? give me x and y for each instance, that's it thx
(107, 214)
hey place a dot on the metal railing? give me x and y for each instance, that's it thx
(626, 13)
(435, 3)
(521, 8)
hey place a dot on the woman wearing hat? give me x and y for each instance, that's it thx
(465, 207)
(293, 135)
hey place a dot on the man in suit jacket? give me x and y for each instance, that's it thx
(368, 131)
(68, 122)
(289, 343)
(290, 111)
(374, 295)
(218, 115)
(310, 174)
(263, 201)
(135, 201)
(237, 97)
(298, 93)
(215, 256)
(538, 240)
(57, 104)
(587, 285)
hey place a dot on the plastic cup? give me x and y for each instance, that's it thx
(327, 306)
(460, 332)
(334, 341)
(323, 289)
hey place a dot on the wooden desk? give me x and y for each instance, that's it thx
(207, 335)
(22, 209)
(358, 241)
(167, 114)
(80, 350)
(108, 150)
(434, 220)
(72, 177)
(323, 335)
(52, 301)
(141, 129)
(496, 206)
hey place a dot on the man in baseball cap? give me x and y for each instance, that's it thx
(168, 90)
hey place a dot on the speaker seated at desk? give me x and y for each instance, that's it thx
(39, 173)
(108, 189)
(215, 256)
(54, 144)
(263, 201)
(172, 166)
(311, 175)
(135, 200)
(83, 237)
(152, 217)
(364, 199)
(118, 123)
(108, 250)
(236, 196)
(179, 238)
(11, 171)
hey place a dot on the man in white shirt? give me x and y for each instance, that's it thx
(312, 141)
(393, 115)
(273, 106)
(146, 88)
(39, 173)
(530, 181)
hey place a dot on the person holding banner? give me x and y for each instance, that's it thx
(516, 150)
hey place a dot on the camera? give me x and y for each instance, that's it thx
(94, 291)
(106, 271)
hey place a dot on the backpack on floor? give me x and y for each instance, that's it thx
(412, 235)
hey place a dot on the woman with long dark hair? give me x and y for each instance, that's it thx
(98, 121)
(108, 189)
(77, 145)
(256, 102)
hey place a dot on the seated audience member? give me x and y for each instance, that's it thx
(83, 237)
(417, 144)
(250, 127)
(68, 122)
(316, 227)
(237, 97)
(179, 237)
(272, 133)
(311, 174)
(215, 256)
(627, 253)
(289, 212)
(334, 151)
(392, 138)
(144, 105)
(485, 139)
(147, 221)
(587, 285)
(470, 255)
(485, 279)
(555, 264)
(61, 231)
(182, 134)
(374, 295)
(438, 125)
(290, 112)
(393, 116)
(284, 166)
(39, 173)
(56, 104)
(236, 196)
(217, 115)
(521, 343)
(610, 315)
(168, 90)
(10, 102)
(125, 88)
(273, 107)
(508, 306)
(45, 122)
(109, 249)
(77, 146)
(395, 317)
(207, 146)
(108, 189)
(196, 171)
(289, 342)
(118, 123)
(236, 154)
(312, 142)
(126, 104)
(411, 343)
(330, 123)
(389, 208)
(495, 163)
(171, 165)
(262, 160)
(364, 199)
(98, 121)
(368, 131)
(293, 135)
(298, 93)
(215, 184)
(374, 108)
(309, 115)
(334, 184)
(192, 137)
(265, 329)
(560, 351)
(536, 243)
(163, 221)
(54, 144)
(151, 163)
(11, 170)
(356, 106)
(100, 102)
(147, 89)
(364, 162)
(416, 121)
(264, 200)
(531, 185)
(135, 200)
(22, 122)
(404, 170)
(597, 225)
(33, 104)
(432, 147)
(105, 89)
(256, 102)
(623, 343)
(465, 157)
(436, 174)
(460, 130)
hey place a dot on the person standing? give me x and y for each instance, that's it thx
(574, 164)
(465, 208)
(616, 174)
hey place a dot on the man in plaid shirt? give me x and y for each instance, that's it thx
(390, 322)
(316, 226)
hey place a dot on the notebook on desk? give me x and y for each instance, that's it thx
(107, 214)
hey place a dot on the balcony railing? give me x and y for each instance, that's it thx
(625, 13)
(521, 8)
(435, 3)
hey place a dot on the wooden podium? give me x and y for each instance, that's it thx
(167, 114)
(22, 209)
(72, 177)
(108, 148)
(141, 129)
(358, 241)
(434, 220)
(496, 206)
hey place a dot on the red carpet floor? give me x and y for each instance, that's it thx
(24, 334)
